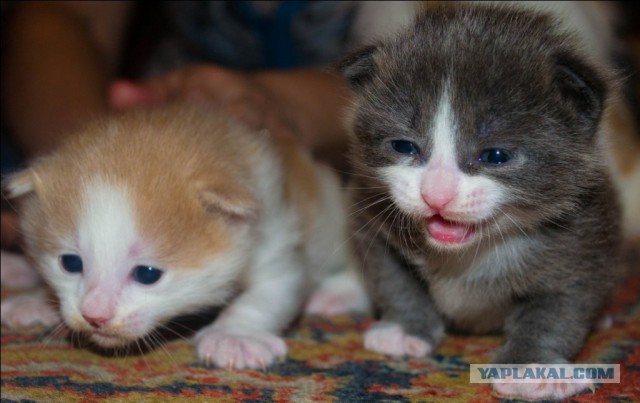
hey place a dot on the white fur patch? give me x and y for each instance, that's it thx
(474, 198)
(227, 348)
(471, 306)
(389, 338)
(404, 186)
(464, 296)
(444, 134)
(107, 233)
(538, 391)
(107, 229)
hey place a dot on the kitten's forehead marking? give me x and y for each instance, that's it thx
(443, 146)
(107, 225)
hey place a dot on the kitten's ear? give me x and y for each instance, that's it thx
(232, 201)
(358, 67)
(20, 183)
(582, 89)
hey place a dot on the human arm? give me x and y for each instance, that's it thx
(305, 103)
(58, 60)
(313, 102)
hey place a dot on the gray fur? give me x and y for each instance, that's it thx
(515, 80)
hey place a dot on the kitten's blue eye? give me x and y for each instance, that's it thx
(494, 156)
(146, 274)
(71, 263)
(405, 147)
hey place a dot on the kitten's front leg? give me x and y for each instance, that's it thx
(409, 323)
(547, 329)
(16, 272)
(247, 332)
(28, 309)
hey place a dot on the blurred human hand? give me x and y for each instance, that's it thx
(237, 94)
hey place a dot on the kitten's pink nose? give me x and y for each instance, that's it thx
(439, 188)
(437, 201)
(98, 306)
(95, 321)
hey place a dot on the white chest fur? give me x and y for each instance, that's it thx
(469, 291)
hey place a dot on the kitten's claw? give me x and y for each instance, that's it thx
(389, 338)
(28, 310)
(236, 351)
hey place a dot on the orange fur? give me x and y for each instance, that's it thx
(184, 157)
(156, 213)
(156, 159)
(624, 141)
(302, 188)
(624, 161)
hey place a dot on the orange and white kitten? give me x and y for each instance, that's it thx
(154, 214)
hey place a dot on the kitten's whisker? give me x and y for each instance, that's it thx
(499, 230)
(406, 228)
(142, 353)
(364, 187)
(399, 231)
(480, 240)
(354, 174)
(358, 211)
(491, 240)
(163, 347)
(404, 244)
(56, 332)
(175, 332)
(388, 211)
(353, 234)
(508, 216)
(348, 239)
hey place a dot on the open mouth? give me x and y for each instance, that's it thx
(449, 232)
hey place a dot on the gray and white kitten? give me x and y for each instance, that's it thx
(481, 199)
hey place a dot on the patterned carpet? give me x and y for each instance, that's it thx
(326, 363)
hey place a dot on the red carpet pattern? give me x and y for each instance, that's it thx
(327, 363)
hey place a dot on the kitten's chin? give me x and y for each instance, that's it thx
(449, 233)
(107, 341)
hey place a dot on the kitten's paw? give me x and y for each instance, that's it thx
(338, 294)
(230, 350)
(389, 338)
(27, 310)
(16, 272)
(555, 391)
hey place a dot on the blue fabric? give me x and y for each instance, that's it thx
(274, 32)
(241, 35)
(9, 158)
